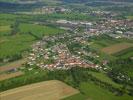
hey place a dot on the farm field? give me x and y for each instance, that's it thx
(125, 53)
(104, 41)
(12, 65)
(39, 30)
(93, 92)
(103, 77)
(4, 28)
(54, 16)
(5, 22)
(130, 17)
(50, 90)
(11, 75)
(116, 48)
(100, 42)
(5, 70)
(14, 45)
(97, 93)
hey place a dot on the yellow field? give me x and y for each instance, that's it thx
(7, 76)
(117, 48)
(48, 90)
(5, 28)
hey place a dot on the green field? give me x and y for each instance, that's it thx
(8, 17)
(39, 30)
(98, 43)
(105, 41)
(130, 17)
(54, 16)
(97, 93)
(5, 22)
(5, 30)
(5, 26)
(102, 41)
(14, 45)
(103, 77)
(125, 53)
(93, 92)
(88, 89)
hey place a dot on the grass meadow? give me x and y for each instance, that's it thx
(91, 91)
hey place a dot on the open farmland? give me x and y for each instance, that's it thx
(14, 45)
(102, 41)
(130, 17)
(50, 90)
(5, 70)
(116, 48)
(94, 92)
(39, 30)
(97, 93)
(12, 65)
(103, 77)
(5, 22)
(12, 75)
(4, 28)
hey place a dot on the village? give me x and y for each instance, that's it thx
(53, 52)
(113, 28)
(56, 57)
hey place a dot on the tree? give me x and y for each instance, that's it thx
(15, 28)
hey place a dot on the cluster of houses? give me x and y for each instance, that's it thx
(56, 57)
(106, 14)
(113, 28)
(74, 22)
(72, 25)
